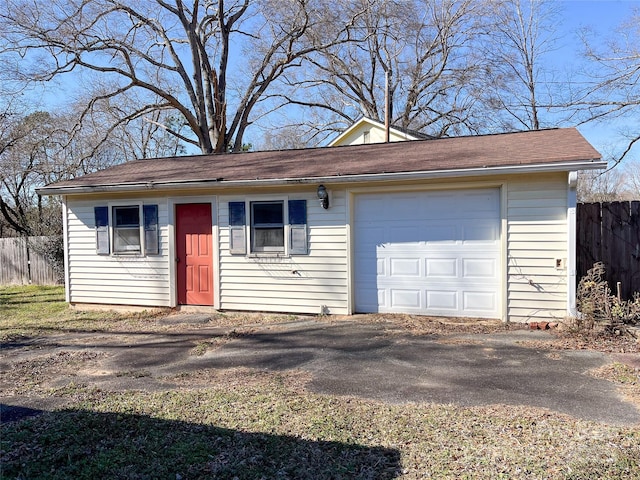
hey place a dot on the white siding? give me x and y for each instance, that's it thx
(376, 135)
(536, 236)
(312, 283)
(114, 279)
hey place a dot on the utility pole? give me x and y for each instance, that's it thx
(387, 106)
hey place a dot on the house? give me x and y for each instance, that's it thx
(479, 226)
(367, 130)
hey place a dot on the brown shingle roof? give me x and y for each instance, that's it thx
(544, 147)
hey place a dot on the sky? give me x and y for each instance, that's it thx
(603, 16)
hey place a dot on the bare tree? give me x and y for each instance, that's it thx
(595, 186)
(102, 131)
(422, 45)
(24, 164)
(519, 86)
(612, 87)
(632, 179)
(176, 55)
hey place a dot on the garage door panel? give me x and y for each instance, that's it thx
(480, 268)
(402, 234)
(480, 301)
(370, 236)
(404, 267)
(405, 298)
(432, 253)
(440, 233)
(481, 201)
(442, 300)
(441, 267)
(479, 232)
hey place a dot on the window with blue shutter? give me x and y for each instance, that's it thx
(298, 243)
(237, 230)
(101, 215)
(126, 229)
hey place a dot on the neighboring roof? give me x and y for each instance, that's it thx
(364, 121)
(542, 150)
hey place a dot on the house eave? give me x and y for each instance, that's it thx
(592, 164)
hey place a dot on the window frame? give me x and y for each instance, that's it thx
(278, 250)
(242, 236)
(115, 229)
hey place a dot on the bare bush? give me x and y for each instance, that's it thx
(598, 307)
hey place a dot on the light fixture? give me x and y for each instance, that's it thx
(323, 196)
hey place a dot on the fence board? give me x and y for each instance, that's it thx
(20, 265)
(589, 238)
(610, 233)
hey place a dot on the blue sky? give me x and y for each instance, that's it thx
(603, 16)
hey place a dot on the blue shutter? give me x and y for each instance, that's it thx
(298, 242)
(151, 230)
(237, 229)
(101, 216)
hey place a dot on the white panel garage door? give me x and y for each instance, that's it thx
(433, 253)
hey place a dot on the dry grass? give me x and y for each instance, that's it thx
(252, 424)
(625, 376)
(248, 424)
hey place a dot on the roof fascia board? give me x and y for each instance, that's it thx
(373, 177)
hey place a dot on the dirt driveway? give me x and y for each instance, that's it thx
(372, 360)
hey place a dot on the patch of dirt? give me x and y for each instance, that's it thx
(626, 377)
(37, 372)
(203, 347)
(424, 325)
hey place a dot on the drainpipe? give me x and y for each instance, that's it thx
(571, 244)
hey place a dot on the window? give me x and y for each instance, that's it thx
(126, 229)
(269, 233)
(267, 226)
(129, 235)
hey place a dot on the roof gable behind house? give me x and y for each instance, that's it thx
(543, 147)
(367, 130)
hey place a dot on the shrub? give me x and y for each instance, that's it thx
(597, 306)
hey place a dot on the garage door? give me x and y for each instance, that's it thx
(433, 253)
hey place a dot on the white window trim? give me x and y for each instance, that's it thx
(269, 250)
(284, 253)
(112, 229)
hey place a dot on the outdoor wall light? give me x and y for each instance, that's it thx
(323, 196)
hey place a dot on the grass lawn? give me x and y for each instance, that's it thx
(251, 424)
(40, 310)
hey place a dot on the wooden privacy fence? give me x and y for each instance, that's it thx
(22, 262)
(610, 233)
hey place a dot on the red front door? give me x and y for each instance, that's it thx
(194, 254)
